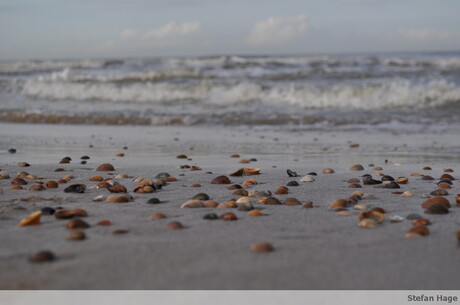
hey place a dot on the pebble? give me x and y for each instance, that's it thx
(65, 160)
(75, 188)
(195, 185)
(65, 214)
(120, 155)
(262, 247)
(4, 175)
(248, 171)
(292, 201)
(42, 256)
(307, 178)
(144, 189)
(31, 220)
(343, 213)
(221, 180)
(76, 235)
(77, 224)
(357, 167)
(121, 176)
(241, 192)
(244, 161)
(360, 206)
(234, 187)
(427, 178)
(47, 211)
(174, 225)
(402, 180)
(211, 216)
(445, 181)
(194, 203)
(105, 167)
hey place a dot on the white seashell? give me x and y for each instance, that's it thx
(99, 198)
(121, 176)
(307, 178)
(360, 206)
(396, 218)
(407, 194)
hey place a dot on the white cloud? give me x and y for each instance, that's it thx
(277, 30)
(424, 35)
(173, 29)
(128, 33)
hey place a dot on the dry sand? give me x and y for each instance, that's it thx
(314, 248)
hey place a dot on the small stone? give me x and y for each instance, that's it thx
(357, 167)
(16, 187)
(77, 224)
(31, 220)
(307, 178)
(47, 211)
(272, 201)
(174, 225)
(162, 175)
(18, 181)
(201, 196)
(444, 185)
(437, 208)
(76, 235)
(158, 216)
(105, 167)
(121, 176)
(248, 171)
(255, 213)
(42, 256)
(12, 150)
(292, 201)
(261, 247)
(192, 204)
(211, 216)
(221, 180)
(379, 210)
(328, 171)
(75, 188)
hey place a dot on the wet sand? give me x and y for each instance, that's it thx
(313, 248)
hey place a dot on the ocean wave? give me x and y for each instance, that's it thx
(35, 66)
(369, 95)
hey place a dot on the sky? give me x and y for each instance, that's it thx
(52, 29)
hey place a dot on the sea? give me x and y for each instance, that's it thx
(389, 90)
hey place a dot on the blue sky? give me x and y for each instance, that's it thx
(100, 28)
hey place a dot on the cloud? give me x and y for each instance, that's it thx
(424, 35)
(276, 31)
(173, 29)
(128, 33)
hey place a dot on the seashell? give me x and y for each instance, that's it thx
(360, 206)
(243, 200)
(421, 222)
(439, 192)
(367, 223)
(412, 235)
(282, 190)
(402, 180)
(50, 184)
(42, 256)
(120, 232)
(242, 192)
(221, 180)
(444, 185)
(75, 188)
(117, 189)
(119, 199)
(68, 178)
(16, 187)
(181, 156)
(328, 171)
(237, 173)
(147, 181)
(231, 204)
(343, 213)
(195, 168)
(31, 220)
(251, 171)
(271, 201)
(104, 223)
(339, 203)
(235, 156)
(201, 196)
(427, 178)
(376, 216)
(354, 145)
(174, 225)
(61, 181)
(121, 176)
(379, 210)
(244, 161)
(171, 179)
(65, 160)
(234, 187)
(144, 189)
(18, 181)
(250, 182)
(437, 208)
(292, 183)
(120, 155)
(358, 193)
(355, 185)
(255, 213)
(76, 235)
(57, 170)
(84, 158)
(396, 218)
(353, 180)
(194, 203)
(36, 187)
(98, 198)
(417, 174)
(23, 164)
(378, 168)
(291, 173)
(77, 224)
(357, 167)
(4, 175)
(426, 168)
(158, 216)
(448, 170)
(370, 181)
(138, 179)
(162, 175)
(292, 201)
(307, 178)
(154, 201)
(223, 206)
(105, 167)
(210, 204)
(308, 205)
(229, 216)
(446, 176)
(211, 216)
(65, 214)
(261, 247)
(195, 185)
(435, 200)
(420, 230)
(407, 194)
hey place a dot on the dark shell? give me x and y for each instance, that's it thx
(201, 196)
(437, 208)
(392, 185)
(292, 183)
(439, 192)
(154, 201)
(291, 173)
(221, 180)
(75, 188)
(211, 216)
(42, 256)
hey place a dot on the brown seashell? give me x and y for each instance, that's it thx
(31, 177)
(250, 182)
(103, 185)
(378, 168)
(235, 156)
(427, 168)
(237, 173)
(104, 223)
(328, 171)
(223, 206)
(234, 187)
(421, 222)
(120, 155)
(359, 193)
(374, 215)
(121, 176)
(36, 187)
(23, 164)
(66, 214)
(444, 185)
(117, 189)
(42, 256)
(243, 200)
(31, 220)
(402, 180)
(241, 192)
(221, 180)
(195, 185)
(171, 179)
(291, 201)
(282, 190)
(105, 167)
(437, 208)
(244, 161)
(271, 201)
(261, 248)
(343, 213)
(353, 180)
(308, 205)
(354, 185)
(77, 224)
(251, 171)
(118, 199)
(50, 184)
(18, 181)
(181, 157)
(229, 216)
(339, 203)
(16, 187)
(22, 174)
(61, 181)
(57, 170)
(96, 178)
(193, 204)
(417, 174)
(448, 170)
(427, 178)
(68, 177)
(65, 160)
(420, 230)
(357, 167)
(76, 235)
(147, 181)
(446, 176)
(174, 225)
(367, 223)
(255, 213)
(380, 210)
(435, 200)
(210, 204)
(439, 192)
(158, 216)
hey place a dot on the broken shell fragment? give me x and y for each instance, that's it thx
(31, 220)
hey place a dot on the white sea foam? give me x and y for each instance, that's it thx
(47, 65)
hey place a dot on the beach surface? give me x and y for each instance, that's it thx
(314, 248)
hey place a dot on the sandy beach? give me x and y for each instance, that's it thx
(314, 248)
